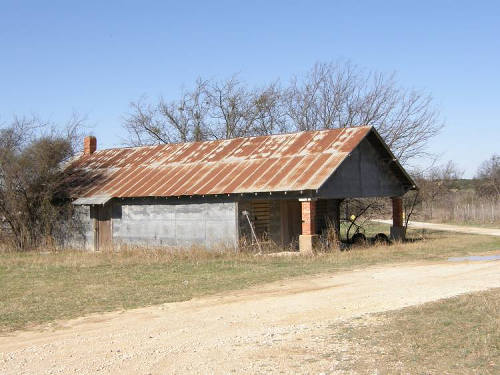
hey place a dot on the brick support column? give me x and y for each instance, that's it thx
(397, 229)
(308, 237)
(308, 217)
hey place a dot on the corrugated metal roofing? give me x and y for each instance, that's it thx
(275, 163)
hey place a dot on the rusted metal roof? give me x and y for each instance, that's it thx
(275, 163)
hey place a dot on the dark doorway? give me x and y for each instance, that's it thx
(291, 221)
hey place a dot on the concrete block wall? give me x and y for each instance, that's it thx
(147, 223)
(82, 229)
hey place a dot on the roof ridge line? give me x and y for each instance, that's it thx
(230, 139)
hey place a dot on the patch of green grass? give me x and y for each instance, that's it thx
(37, 288)
(369, 228)
(460, 335)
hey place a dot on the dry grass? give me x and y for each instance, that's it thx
(39, 287)
(459, 335)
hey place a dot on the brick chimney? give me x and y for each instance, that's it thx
(89, 145)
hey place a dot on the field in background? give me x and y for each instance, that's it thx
(460, 335)
(42, 287)
(460, 207)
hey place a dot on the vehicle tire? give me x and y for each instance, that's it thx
(381, 239)
(358, 239)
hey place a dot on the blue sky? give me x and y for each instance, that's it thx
(94, 57)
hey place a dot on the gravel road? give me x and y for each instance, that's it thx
(267, 329)
(447, 227)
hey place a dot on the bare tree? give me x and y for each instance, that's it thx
(144, 126)
(343, 95)
(173, 121)
(435, 183)
(32, 198)
(322, 99)
(231, 112)
(236, 110)
(212, 110)
(328, 96)
(269, 115)
(488, 176)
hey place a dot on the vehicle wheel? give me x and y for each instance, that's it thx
(358, 239)
(381, 239)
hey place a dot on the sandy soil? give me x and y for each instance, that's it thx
(447, 227)
(270, 329)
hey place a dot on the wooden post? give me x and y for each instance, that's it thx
(397, 229)
(397, 212)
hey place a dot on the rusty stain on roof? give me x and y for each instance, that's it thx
(274, 163)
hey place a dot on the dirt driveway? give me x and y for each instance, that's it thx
(266, 329)
(447, 227)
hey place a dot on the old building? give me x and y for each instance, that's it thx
(287, 186)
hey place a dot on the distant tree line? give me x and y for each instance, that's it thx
(445, 196)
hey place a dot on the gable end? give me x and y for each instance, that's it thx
(370, 170)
